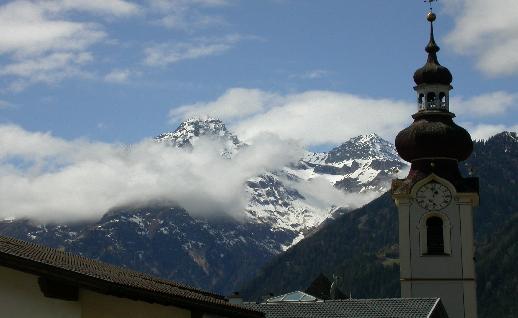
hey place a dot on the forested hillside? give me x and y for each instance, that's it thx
(498, 273)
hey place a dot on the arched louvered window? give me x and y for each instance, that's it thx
(431, 100)
(442, 99)
(434, 236)
(420, 101)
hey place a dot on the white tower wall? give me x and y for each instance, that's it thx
(451, 276)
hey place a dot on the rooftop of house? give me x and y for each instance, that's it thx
(58, 268)
(353, 308)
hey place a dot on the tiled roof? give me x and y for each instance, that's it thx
(355, 308)
(110, 279)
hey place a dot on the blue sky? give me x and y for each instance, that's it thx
(80, 79)
(112, 71)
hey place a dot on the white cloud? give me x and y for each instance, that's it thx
(26, 28)
(52, 179)
(43, 44)
(171, 4)
(187, 15)
(487, 30)
(314, 117)
(313, 74)
(111, 7)
(321, 117)
(319, 192)
(48, 69)
(234, 104)
(118, 76)
(484, 131)
(490, 104)
(167, 53)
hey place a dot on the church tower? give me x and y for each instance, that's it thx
(435, 202)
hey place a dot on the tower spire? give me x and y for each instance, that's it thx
(433, 80)
(432, 48)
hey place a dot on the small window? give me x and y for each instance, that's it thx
(434, 236)
(442, 99)
(420, 101)
(431, 99)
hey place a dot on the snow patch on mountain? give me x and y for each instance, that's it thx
(282, 206)
(315, 157)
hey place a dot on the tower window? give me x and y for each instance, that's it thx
(434, 236)
(420, 101)
(431, 99)
(442, 99)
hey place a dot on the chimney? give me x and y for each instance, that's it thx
(264, 298)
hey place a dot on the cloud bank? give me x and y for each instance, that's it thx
(47, 178)
(51, 179)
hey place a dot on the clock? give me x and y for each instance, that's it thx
(433, 196)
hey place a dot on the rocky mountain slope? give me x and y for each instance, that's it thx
(364, 163)
(362, 246)
(219, 254)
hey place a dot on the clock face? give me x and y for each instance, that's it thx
(433, 196)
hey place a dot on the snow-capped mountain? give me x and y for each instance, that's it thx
(218, 254)
(273, 199)
(363, 163)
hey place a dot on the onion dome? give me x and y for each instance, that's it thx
(432, 72)
(434, 135)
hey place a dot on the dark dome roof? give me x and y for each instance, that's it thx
(432, 72)
(434, 135)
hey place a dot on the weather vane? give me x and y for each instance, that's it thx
(430, 2)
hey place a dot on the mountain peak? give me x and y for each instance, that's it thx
(363, 147)
(369, 138)
(193, 128)
(506, 135)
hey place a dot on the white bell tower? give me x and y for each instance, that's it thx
(435, 202)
